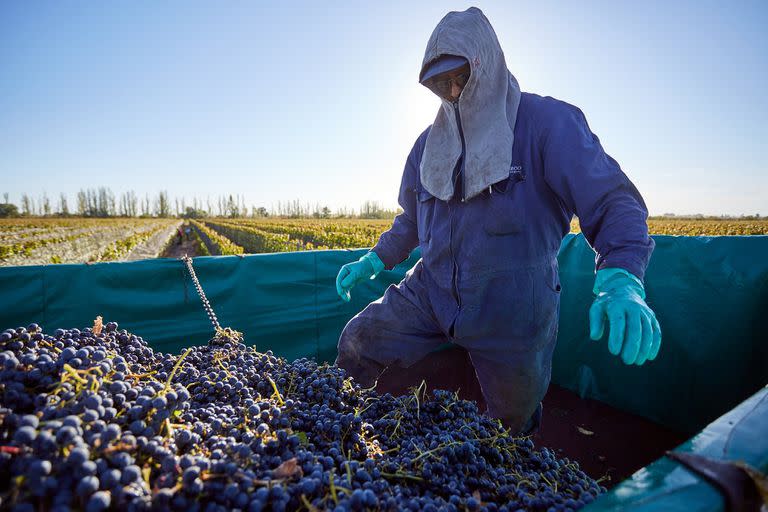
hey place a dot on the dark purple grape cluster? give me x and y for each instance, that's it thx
(95, 419)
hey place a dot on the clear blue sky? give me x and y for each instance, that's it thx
(319, 101)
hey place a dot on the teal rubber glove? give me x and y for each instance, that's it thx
(634, 332)
(367, 267)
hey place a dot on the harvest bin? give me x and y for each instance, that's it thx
(707, 384)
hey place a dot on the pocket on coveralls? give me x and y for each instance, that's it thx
(504, 216)
(425, 209)
(547, 303)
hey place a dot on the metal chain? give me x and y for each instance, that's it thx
(207, 305)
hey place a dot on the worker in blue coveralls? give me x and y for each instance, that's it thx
(488, 193)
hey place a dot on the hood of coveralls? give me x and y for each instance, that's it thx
(487, 105)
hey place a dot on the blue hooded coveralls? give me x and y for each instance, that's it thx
(487, 279)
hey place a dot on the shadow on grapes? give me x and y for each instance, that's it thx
(588, 431)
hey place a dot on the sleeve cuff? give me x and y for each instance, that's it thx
(384, 256)
(605, 277)
(628, 263)
(375, 262)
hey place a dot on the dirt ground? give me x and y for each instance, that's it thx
(153, 247)
(177, 250)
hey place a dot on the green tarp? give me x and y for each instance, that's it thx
(710, 295)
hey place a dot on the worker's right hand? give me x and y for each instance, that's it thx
(350, 274)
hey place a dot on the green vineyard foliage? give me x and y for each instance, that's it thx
(120, 248)
(215, 243)
(254, 240)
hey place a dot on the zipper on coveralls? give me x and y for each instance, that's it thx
(463, 151)
(454, 276)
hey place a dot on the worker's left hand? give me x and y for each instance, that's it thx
(634, 332)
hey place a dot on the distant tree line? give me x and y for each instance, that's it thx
(101, 202)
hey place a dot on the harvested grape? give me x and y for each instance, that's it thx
(96, 419)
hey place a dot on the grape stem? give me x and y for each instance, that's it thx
(277, 393)
(73, 373)
(175, 369)
(307, 504)
(403, 475)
